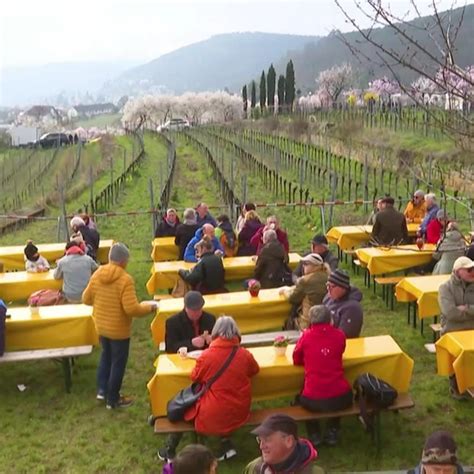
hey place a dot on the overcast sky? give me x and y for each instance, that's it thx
(47, 31)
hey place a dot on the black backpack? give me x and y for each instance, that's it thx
(375, 393)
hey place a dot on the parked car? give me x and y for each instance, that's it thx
(50, 140)
(174, 125)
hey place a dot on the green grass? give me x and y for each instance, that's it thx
(101, 121)
(46, 430)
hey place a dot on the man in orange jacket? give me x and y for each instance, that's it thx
(111, 292)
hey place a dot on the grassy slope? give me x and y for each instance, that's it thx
(55, 432)
(100, 121)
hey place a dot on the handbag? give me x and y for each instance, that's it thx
(187, 397)
(46, 298)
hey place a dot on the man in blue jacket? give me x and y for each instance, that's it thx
(431, 210)
(206, 229)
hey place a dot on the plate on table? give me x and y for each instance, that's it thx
(194, 354)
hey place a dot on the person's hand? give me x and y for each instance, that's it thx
(198, 342)
(462, 307)
(283, 290)
(254, 258)
(207, 337)
(409, 221)
(219, 253)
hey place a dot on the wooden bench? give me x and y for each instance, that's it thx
(260, 339)
(404, 401)
(436, 328)
(388, 284)
(65, 355)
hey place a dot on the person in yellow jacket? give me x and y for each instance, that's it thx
(416, 208)
(111, 292)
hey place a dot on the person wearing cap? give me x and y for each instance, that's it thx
(111, 293)
(456, 302)
(343, 300)
(191, 327)
(390, 226)
(319, 245)
(203, 215)
(282, 450)
(168, 225)
(439, 456)
(309, 290)
(435, 228)
(251, 225)
(34, 262)
(416, 208)
(75, 269)
(431, 210)
(207, 276)
(206, 230)
(91, 236)
(272, 223)
(319, 350)
(225, 406)
(185, 231)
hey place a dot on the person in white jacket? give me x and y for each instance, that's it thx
(34, 262)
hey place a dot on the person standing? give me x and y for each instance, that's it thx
(111, 293)
(91, 236)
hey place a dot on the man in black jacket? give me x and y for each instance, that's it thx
(191, 327)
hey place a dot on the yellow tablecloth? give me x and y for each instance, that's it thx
(352, 236)
(379, 260)
(423, 290)
(253, 314)
(455, 354)
(16, 286)
(163, 249)
(54, 327)
(165, 274)
(278, 377)
(13, 257)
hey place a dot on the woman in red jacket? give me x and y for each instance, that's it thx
(320, 351)
(225, 407)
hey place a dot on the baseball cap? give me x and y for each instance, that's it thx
(193, 300)
(313, 259)
(277, 422)
(463, 262)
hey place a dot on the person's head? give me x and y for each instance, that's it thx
(319, 244)
(463, 268)
(171, 215)
(439, 454)
(269, 236)
(31, 251)
(380, 204)
(119, 254)
(226, 328)
(277, 437)
(430, 199)
(339, 284)
(193, 304)
(442, 216)
(189, 216)
(85, 217)
(77, 237)
(248, 206)
(319, 314)
(195, 459)
(205, 245)
(312, 263)
(418, 197)
(251, 216)
(388, 202)
(202, 209)
(221, 219)
(208, 229)
(273, 222)
(76, 223)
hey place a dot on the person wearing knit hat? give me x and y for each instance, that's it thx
(416, 208)
(111, 293)
(343, 300)
(439, 455)
(34, 262)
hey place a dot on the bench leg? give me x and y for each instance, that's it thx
(414, 316)
(67, 369)
(392, 296)
(378, 432)
(421, 326)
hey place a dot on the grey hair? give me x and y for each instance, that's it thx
(319, 314)
(189, 216)
(225, 327)
(269, 236)
(419, 192)
(430, 196)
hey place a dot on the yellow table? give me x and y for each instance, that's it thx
(54, 327)
(455, 354)
(16, 286)
(13, 257)
(278, 377)
(163, 249)
(352, 236)
(423, 290)
(165, 274)
(253, 314)
(379, 260)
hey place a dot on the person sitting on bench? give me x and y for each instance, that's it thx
(319, 350)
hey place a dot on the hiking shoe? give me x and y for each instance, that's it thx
(331, 437)
(457, 395)
(166, 454)
(100, 396)
(123, 402)
(226, 451)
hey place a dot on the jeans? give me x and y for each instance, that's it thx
(112, 364)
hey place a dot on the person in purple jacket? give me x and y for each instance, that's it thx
(343, 300)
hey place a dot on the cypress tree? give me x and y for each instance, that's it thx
(281, 92)
(263, 91)
(271, 80)
(253, 95)
(290, 85)
(244, 98)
